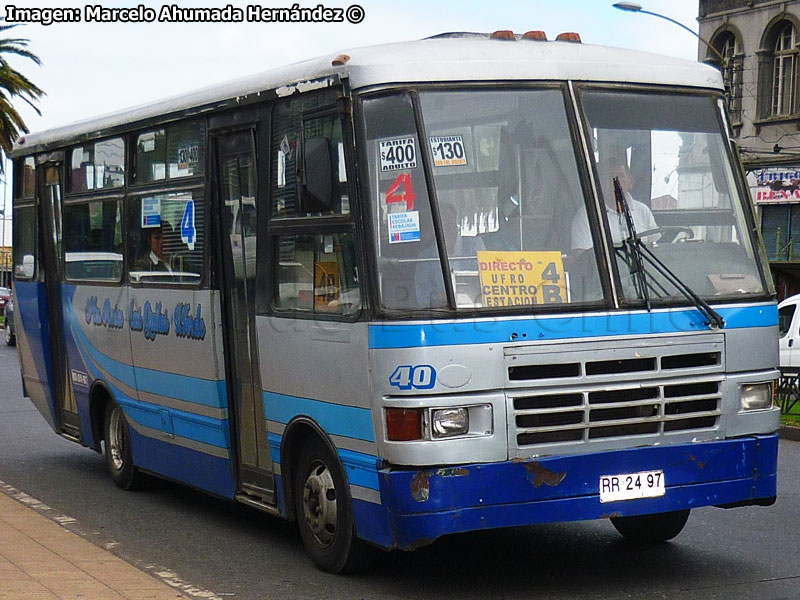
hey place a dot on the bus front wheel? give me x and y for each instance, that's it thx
(659, 527)
(324, 512)
(119, 455)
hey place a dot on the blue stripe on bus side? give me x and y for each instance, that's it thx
(556, 328)
(361, 469)
(181, 387)
(335, 419)
(214, 432)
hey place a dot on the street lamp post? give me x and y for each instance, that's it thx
(637, 8)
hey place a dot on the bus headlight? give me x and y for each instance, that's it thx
(447, 422)
(756, 396)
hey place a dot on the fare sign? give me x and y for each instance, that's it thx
(521, 278)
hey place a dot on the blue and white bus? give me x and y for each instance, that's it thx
(466, 282)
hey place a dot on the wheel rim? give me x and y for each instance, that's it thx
(319, 504)
(116, 439)
(8, 333)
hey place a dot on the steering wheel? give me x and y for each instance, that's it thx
(669, 233)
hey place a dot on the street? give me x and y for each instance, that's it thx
(217, 549)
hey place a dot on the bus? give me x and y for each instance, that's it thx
(466, 282)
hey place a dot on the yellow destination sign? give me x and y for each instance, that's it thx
(521, 278)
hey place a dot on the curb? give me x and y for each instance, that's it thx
(788, 432)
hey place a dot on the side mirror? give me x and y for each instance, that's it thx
(317, 183)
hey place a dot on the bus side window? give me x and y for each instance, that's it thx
(24, 237)
(93, 241)
(307, 153)
(317, 274)
(166, 237)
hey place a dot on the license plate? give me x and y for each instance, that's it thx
(631, 486)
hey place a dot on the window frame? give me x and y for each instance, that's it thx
(740, 191)
(566, 88)
(133, 205)
(132, 163)
(781, 55)
(118, 196)
(728, 44)
(278, 227)
(68, 191)
(33, 205)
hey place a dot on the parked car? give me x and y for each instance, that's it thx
(5, 298)
(8, 324)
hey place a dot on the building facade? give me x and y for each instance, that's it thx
(756, 45)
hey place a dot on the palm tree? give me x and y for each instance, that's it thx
(14, 84)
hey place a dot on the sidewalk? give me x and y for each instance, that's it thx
(41, 560)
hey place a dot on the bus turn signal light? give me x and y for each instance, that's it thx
(403, 424)
(536, 36)
(568, 36)
(503, 34)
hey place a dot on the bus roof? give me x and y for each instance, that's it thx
(444, 58)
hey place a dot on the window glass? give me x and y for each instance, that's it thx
(93, 241)
(169, 233)
(82, 169)
(24, 178)
(239, 196)
(406, 244)
(24, 247)
(185, 148)
(508, 188)
(785, 315)
(98, 166)
(151, 153)
(669, 155)
(109, 163)
(168, 153)
(784, 70)
(307, 153)
(317, 274)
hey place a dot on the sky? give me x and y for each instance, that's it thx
(94, 68)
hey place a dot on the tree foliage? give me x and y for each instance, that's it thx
(14, 84)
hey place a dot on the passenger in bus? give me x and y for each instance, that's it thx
(428, 283)
(642, 217)
(154, 259)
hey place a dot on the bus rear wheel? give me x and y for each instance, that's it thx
(324, 513)
(119, 455)
(659, 527)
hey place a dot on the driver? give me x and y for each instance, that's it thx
(642, 217)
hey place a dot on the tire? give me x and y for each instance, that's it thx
(119, 455)
(325, 513)
(11, 339)
(659, 527)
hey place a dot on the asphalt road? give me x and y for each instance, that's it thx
(217, 549)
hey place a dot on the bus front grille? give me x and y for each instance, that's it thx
(640, 411)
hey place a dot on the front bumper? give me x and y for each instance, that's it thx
(425, 504)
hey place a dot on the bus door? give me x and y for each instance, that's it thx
(236, 205)
(49, 174)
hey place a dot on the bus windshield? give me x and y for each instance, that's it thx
(517, 222)
(507, 183)
(669, 156)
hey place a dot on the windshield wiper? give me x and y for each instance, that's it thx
(633, 242)
(640, 251)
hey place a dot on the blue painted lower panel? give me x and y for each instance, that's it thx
(425, 504)
(203, 471)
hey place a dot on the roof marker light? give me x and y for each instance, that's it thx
(568, 36)
(503, 34)
(340, 60)
(537, 36)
